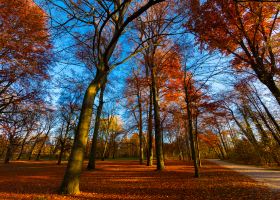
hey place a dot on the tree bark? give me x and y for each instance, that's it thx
(9, 152)
(22, 145)
(150, 130)
(158, 136)
(43, 143)
(141, 149)
(92, 156)
(190, 129)
(71, 180)
(196, 142)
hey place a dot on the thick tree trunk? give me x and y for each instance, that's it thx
(158, 136)
(92, 156)
(8, 153)
(271, 85)
(71, 180)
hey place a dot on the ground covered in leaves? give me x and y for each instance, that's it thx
(129, 180)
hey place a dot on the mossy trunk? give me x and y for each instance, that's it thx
(71, 180)
(92, 156)
(158, 135)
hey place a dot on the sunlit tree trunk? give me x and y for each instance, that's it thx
(104, 150)
(92, 156)
(70, 183)
(34, 145)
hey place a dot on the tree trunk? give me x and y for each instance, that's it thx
(92, 156)
(190, 130)
(22, 145)
(141, 149)
(71, 180)
(150, 131)
(267, 80)
(43, 143)
(33, 146)
(9, 152)
(187, 141)
(158, 136)
(60, 154)
(104, 150)
(196, 142)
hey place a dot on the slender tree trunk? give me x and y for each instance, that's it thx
(190, 129)
(158, 136)
(270, 116)
(150, 131)
(263, 117)
(33, 146)
(104, 150)
(192, 141)
(141, 149)
(92, 156)
(71, 180)
(43, 143)
(224, 146)
(22, 145)
(187, 141)
(61, 153)
(62, 141)
(150, 122)
(196, 142)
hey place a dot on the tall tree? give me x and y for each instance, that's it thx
(25, 52)
(108, 20)
(247, 30)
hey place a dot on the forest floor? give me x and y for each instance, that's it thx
(268, 177)
(129, 180)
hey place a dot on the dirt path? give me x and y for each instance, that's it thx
(270, 178)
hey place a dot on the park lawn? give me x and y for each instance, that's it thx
(125, 179)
